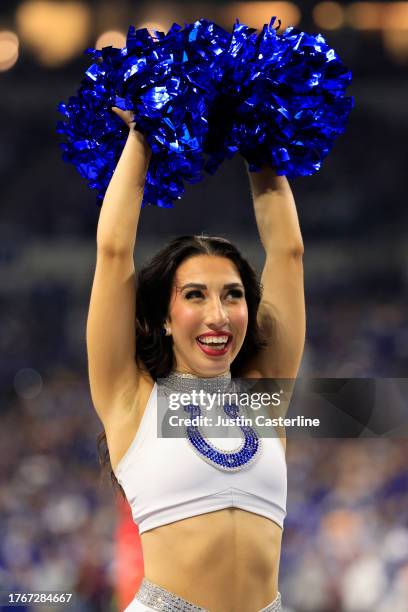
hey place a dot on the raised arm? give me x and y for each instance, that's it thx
(110, 333)
(281, 314)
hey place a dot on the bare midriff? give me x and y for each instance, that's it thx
(224, 561)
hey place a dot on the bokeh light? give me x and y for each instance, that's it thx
(9, 48)
(396, 44)
(329, 15)
(154, 26)
(395, 31)
(111, 38)
(396, 16)
(256, 14)
(365, 15)
(28, 383)
(55, 32)
(160, 16)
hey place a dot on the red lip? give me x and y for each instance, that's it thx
(215, 352)
(216, 334)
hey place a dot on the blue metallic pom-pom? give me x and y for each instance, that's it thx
(199, 95)
(282, 101)
(169, 82)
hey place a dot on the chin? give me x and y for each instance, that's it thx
(203, 365)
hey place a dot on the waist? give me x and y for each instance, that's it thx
(204, 554)
(158, 598)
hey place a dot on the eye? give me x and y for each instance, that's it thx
(196, 293)
(236, 293)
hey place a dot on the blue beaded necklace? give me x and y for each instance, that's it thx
(229, 461)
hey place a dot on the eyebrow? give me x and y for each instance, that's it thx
(201, 286)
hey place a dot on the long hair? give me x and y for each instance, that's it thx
(154, 350)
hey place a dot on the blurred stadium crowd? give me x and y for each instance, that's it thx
(345, 546)
(345, 542)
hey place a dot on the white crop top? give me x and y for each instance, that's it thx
(165, 480)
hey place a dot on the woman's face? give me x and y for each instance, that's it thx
(208, 315)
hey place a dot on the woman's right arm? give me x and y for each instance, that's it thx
(110, 332)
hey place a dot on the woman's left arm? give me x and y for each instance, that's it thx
(281, 314)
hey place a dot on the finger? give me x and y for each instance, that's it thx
(125, 115)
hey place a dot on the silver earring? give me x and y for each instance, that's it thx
(167, 331)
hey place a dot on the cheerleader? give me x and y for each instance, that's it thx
(210, 520)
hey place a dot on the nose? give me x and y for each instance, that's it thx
(216, 314)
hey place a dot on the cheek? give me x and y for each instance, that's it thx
(183, 318)
(240, 317)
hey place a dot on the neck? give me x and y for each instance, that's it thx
(226, 374)
(186, 381)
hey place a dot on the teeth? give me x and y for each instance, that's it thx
(214, 340)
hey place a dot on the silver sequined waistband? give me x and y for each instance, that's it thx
(160, 599)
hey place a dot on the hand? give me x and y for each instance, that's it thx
(127, 117)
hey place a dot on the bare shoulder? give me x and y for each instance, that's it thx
(123, 421)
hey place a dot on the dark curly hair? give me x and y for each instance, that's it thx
(154, 350)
